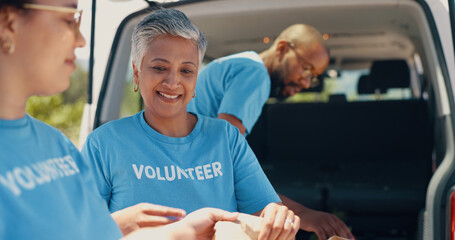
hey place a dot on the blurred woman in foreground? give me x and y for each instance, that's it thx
(46, 189)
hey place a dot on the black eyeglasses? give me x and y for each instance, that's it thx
(77, 13)
(308, 69)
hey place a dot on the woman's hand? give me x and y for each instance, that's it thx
(324, 225)
(203, 221)
(145, 215)
(279, 223)
(199, 225)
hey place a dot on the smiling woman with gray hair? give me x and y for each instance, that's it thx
(165, 155)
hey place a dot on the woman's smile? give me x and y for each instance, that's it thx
(168, 76)
(168, 97)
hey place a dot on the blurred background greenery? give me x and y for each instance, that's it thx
(64, 110)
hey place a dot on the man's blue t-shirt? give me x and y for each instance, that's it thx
(238, 85)
(211, 167)
(46, 190)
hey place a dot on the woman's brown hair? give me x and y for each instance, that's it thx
(13, 3)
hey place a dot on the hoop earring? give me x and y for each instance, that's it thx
(136, 87)
(194, 94)
(8, 46)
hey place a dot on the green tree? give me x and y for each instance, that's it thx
(131, 101)
(64, 110)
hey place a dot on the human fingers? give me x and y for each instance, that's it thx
(340, 228)
(328, 230)
(295, 228)
(268, 223)
(281, 220)
(210, 216)
(221, 215)
(153, 221)
(293, 225)
(158, 210)
(267, 214)
(203, 221)
(329, 226)
(288, 225)
(320, 233)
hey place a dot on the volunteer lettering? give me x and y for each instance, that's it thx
(171, 173)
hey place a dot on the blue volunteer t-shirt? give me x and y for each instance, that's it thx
(238, 85)
(211, 167)
(46, 190)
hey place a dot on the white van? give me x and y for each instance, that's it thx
(373, 143)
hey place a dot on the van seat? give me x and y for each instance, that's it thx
(361, 158)
(384, 75)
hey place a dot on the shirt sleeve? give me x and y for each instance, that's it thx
(91, 154)
(252, 188)
(247, 90)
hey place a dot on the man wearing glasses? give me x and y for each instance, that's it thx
(236, 87)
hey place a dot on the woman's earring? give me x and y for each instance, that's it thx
(8, 46)
(194, 94)
(136, 87)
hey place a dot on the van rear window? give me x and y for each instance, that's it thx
(347, 85)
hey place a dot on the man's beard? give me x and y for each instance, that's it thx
(277, 85)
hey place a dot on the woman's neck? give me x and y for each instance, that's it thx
(180, 126)
(12, 100)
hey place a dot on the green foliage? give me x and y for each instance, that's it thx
(78, 87)
(131, 101)
(64, 110)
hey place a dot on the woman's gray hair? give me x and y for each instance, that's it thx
(164, 22)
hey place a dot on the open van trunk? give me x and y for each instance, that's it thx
(369, 162)
(373, 143)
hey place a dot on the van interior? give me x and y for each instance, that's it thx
(361, 145)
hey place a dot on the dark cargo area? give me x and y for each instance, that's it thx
(368, 161)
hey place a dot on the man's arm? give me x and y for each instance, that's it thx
(234, 121)
(325, 225)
